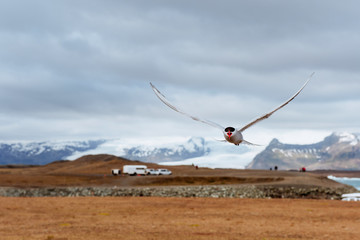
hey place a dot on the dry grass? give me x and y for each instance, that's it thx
(177, 218)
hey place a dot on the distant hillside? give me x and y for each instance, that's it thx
(340, 151)
(89, 164)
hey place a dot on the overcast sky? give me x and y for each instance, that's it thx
(81, 69)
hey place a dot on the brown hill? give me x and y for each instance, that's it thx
(95, 170)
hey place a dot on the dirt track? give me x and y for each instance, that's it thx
(177, 218)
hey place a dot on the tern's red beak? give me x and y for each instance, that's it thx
(229, 134)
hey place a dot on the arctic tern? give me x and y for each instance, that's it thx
(231, 134)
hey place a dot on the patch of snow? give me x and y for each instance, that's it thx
(348, 137)
(296, 152)
(113, 147)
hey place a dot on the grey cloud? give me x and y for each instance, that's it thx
(65, 60)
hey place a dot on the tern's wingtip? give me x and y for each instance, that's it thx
(152, 85)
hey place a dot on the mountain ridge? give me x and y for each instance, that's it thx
(39, 153)
(339, 151)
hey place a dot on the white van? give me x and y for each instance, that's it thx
(135, 169)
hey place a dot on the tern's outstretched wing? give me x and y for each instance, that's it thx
(270, 113)
(167, 103)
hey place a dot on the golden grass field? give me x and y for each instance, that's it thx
(87, 218)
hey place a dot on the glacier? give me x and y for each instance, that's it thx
(178, 151)
(221, 155)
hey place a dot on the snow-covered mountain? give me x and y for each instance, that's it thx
(195, 150)
(339, 151)
(42, 152)
(194, 147)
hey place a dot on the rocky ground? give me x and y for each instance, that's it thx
(217, 191)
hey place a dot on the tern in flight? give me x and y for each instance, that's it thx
(231, 134)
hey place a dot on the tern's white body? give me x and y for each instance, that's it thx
(235, 138)
(231, 134)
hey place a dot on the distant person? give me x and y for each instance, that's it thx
(275, 168)
(196, 167)
(271, 169)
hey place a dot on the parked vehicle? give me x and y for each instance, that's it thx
(135, 169)
(151, 171)
(116, 172)
(164, 172)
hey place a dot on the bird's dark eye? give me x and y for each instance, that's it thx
(231, 129)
